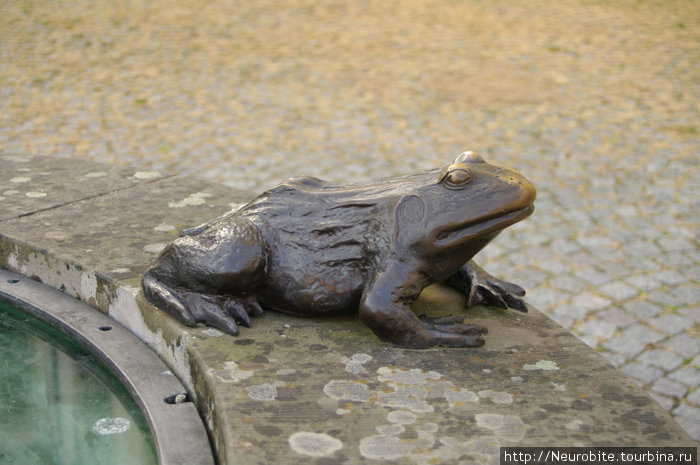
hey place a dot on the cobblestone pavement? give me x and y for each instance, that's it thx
(596, 102)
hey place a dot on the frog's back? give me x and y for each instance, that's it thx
(324, 242)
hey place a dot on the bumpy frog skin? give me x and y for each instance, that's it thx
(307, 247)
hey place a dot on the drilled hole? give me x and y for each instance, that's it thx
(13, 281)
(105, 328)
(177, 399)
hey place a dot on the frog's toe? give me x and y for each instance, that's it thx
(515, 303)
(453, 324)
(207, 310)
(513, 288)
(461, 341)
(241, 309)
(496, 295)
(473, 341)
(237, 311)
(253, 307)
(166, 298)
(221, 321)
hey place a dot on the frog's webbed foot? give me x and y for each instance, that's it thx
(208, 310)
(191, 308)
(483, 288)
(453, 324)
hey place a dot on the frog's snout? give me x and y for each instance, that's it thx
(528, 193)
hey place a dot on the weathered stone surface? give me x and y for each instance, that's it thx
(119, 233)
(31, 183)
(293, 390)
(533, 383)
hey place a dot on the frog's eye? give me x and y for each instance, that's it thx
(456, 176)
(469, 157)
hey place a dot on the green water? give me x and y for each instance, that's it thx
(59, 404)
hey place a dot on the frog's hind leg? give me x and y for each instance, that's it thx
(189, 307)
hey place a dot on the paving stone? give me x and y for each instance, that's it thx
(576, 312)
(666, 402)
(593, 276)
(531, 279)
(670, 323)
(561, 246)
(669, 388)
(692, 313)
(694, 396)
(597, 328)
(595, 243)
(582, 259)
(661, 358)
(568, 284)
(589, 340)
(687, 411)
(617, 317)
(680, 259)
(615, 359)
(555, 266)
(690, 376)
(618, 266)
(677, 296)
(642, 372)
(546, 297)
(640, 264)
(683, 344)
(642, 247)
(692, 427)
(566, 321)
(590, 301)
(618, 290)
(694, 270)
(642, 309)
(675, 243)
(633, 339)
(672, 277)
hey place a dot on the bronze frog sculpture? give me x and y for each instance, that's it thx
(308, 247)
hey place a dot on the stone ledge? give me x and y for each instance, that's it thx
(291, 389)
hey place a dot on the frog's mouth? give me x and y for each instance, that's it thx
(458, 235)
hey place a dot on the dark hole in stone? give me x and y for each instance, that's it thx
(105, 328)
(177, 399)
(13, 281)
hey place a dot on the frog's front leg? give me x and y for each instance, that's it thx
(482, 288)
(386, 308)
